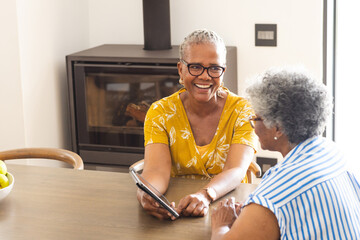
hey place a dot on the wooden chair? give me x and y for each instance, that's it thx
(254, 169)
(46, 153)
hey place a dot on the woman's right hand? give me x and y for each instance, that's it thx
(225, 214)
(152, 207)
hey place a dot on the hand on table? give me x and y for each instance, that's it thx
(225, 213)
(195, 205)
(152, 207)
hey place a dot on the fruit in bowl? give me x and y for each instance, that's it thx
(6, 181)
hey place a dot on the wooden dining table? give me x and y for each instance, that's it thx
(61, 203)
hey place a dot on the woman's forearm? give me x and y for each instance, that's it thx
(157, 166)
(226, 181)
(237, 163)
(158, 180)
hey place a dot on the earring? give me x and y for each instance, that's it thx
(218, 93)
(181, 81)
(221, 88)
(275, 138)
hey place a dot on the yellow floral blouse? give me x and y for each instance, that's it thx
(166, 122)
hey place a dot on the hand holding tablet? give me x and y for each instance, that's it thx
(145, 186)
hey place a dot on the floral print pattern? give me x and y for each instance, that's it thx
(166, 122)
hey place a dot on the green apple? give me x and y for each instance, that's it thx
(3, 169)
(4, 181)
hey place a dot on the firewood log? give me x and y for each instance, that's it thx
(136, 111)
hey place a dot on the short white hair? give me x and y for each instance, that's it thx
(203, 36)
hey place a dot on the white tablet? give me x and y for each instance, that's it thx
(153, 192)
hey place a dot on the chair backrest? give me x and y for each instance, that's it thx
(254, 169)
(138, 166)
(46, 153)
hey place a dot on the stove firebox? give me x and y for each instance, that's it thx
(110, 89)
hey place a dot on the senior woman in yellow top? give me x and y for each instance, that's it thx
(200, 131)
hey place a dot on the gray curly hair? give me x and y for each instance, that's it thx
(202, 36)
(292, 101)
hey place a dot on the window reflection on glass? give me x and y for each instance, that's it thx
(119, 103)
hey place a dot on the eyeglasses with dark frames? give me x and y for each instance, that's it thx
(196, 69)
(253, 119)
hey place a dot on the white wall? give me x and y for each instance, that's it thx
(48, 30)
(11, 106)
(299, 36)
(115, 22)
(51, 29)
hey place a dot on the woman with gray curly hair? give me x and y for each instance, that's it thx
(310, 194)
(201, 131)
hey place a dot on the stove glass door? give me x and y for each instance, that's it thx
(114, 102)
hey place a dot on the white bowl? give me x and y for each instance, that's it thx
(5, 191)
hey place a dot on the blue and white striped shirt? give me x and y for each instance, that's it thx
(311, 193)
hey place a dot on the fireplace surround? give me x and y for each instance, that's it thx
(110, 89)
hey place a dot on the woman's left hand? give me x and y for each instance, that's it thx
(225, 213)
(195, 205)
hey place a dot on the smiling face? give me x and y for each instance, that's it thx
(201, 88)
